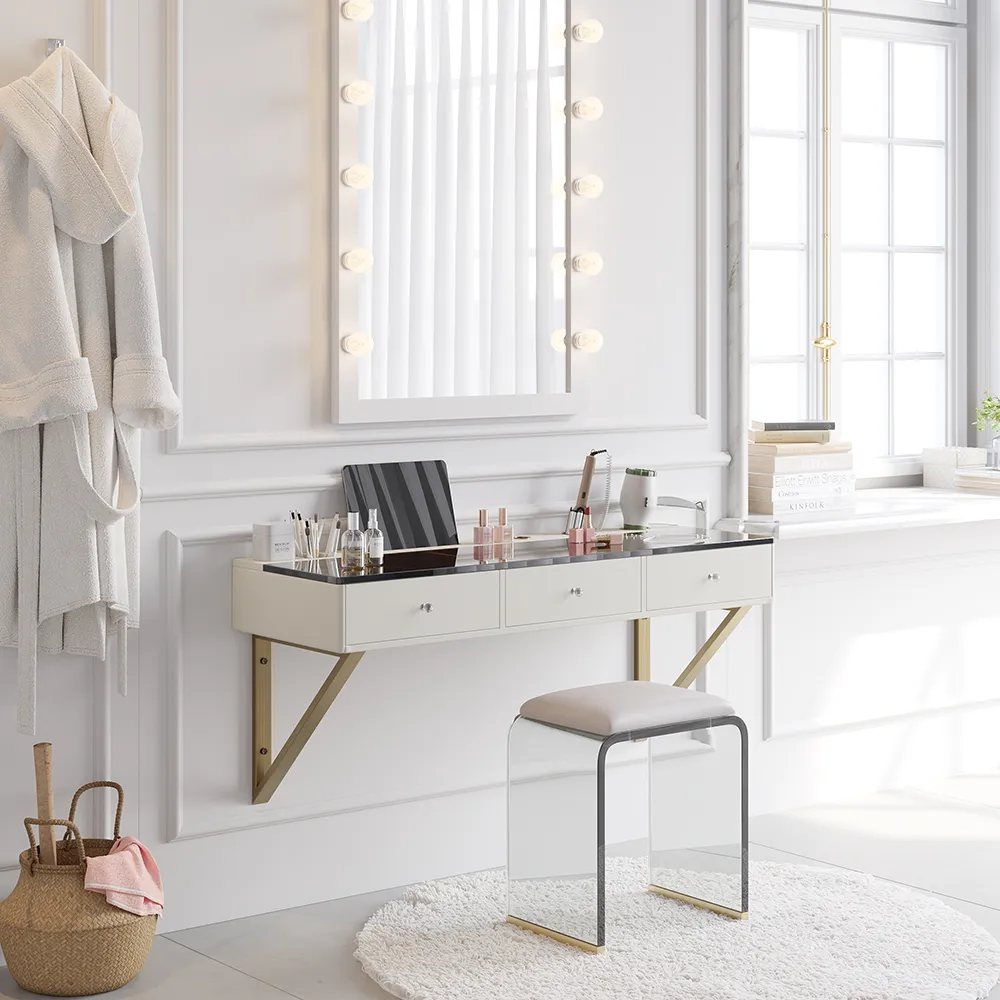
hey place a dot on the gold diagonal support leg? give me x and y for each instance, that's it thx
(267, 779)
(700, 660)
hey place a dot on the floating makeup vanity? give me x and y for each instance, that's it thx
(435, 595)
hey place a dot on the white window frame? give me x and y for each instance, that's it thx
(956, 238)
(952, 12)
(812, 23)
(778, 13)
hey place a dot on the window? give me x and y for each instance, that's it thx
(897, 224)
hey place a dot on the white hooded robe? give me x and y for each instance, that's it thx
(81, 367)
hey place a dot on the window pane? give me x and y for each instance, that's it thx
(918, 302)
(919, 196)
(865, 406)
(778, 391)
(919, 417)
(864, 194)
(777, 301)
(864, 86)
(778, 79)
(777, 190)
(920, 91)
(864, 303)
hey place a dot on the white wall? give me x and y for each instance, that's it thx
(404, 778)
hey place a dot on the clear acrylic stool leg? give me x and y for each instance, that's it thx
(698, 828)
(554, 861)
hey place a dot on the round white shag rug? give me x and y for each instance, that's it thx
(813, 934)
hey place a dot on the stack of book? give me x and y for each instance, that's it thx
(795, 469)
(978, 479)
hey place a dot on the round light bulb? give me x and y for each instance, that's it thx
(588, 341)
(359, 175)
(359, 345)
(588, 186)
(589, 109)
(590, 31)
(358, 260)
(558, 262)
(358, 92)
(558, 341)
(590, 264)
(357, 10)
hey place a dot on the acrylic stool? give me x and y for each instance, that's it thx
(557, 791)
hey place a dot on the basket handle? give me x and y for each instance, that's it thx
(99, 784)
(71, 828)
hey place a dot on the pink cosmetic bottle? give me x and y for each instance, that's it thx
(503, 537)
(482, 538)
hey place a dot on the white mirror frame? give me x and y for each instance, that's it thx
(347, 406)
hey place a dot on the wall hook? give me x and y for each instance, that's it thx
(51, 44)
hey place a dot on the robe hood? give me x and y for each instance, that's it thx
(84, 142)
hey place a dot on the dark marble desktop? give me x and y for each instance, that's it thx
(449, 560)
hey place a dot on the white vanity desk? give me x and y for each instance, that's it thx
(435, 595)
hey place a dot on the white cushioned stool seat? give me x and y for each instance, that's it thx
(624, 706)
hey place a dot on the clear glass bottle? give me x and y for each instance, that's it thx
(503, 537)
(482, 538)
(374, 542)
(353, 545)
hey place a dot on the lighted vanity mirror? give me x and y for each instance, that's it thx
(453, 220)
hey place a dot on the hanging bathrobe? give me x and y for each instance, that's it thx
(81, 367)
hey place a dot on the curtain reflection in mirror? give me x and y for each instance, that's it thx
(467, 215)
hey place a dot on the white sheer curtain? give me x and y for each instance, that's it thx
(466, 139)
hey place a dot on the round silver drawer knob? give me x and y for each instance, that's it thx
(427, 607)
(713, 577)
(576, 591)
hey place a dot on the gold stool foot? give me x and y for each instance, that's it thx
(527, 925)
(702, 904)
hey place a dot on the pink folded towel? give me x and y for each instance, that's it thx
(128, 877)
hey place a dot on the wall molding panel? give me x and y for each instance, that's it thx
(180, 441)
(210, 490)
(104, 42)
(173, 146)
(778, 726)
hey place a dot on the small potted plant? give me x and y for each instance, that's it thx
(988, 419)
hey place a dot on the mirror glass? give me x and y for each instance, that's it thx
(466, 218)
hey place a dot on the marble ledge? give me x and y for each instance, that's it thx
(892, 509)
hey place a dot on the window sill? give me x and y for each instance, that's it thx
(890, 509)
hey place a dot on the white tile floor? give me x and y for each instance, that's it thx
(944, 839)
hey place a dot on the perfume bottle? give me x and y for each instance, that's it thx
(353, 545)
(503, 537)
(588, 527)
(374, 543)
(482, 538)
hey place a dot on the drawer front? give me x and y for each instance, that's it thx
(566, 593)
(723, 577)
(391, 610)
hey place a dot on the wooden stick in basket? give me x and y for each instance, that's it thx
(46, 804)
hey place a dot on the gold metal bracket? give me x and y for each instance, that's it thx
(640, 649)
(700, 660)
(268, 771)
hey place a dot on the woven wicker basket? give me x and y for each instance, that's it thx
(58, 938)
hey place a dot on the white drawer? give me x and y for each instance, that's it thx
(387, 610)
(723, 577)
(542, 594)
